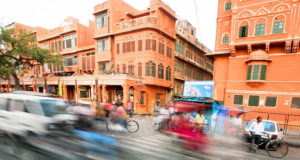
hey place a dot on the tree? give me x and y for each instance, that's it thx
(19, 51)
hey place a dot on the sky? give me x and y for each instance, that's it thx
(51, 13)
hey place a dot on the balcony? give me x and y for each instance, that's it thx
(133, 24)
(261, 39)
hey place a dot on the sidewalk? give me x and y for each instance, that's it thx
(293, 141)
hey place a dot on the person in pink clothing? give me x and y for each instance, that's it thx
(119, 114)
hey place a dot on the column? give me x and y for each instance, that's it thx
(125, 94)
(99, 94)
(104, 94)
(92, 91)
(65, 93)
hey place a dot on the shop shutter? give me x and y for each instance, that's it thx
(249, 72)
(263, 72)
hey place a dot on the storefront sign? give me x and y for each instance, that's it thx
(41, 83)
(198, 89)
(69, 82)
(52, 82)
(28, 83)
(86, 82)
(113, 82)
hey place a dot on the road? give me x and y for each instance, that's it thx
(147, 144)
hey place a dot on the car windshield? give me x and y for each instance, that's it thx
(53, 107)
(269, 126)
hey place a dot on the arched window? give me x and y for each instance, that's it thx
(148, 68)
(118, 68)
(124, 68)
(168, 73)
(160, 71)
(243, 29)
(228, 5)
(278, 24)
(140, 67)
(260, 27)
(153, 70)
(226, 38)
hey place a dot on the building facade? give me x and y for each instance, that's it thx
(256, 55)
(123, 55)
(190, 63)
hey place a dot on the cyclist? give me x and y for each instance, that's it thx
(257, 130)
(120, 114)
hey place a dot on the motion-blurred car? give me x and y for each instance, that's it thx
(271, 128)
(23, 114)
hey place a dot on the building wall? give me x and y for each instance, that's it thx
(282, 51)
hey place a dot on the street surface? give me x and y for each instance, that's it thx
(147, 144)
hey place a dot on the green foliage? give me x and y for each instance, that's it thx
(19, 51)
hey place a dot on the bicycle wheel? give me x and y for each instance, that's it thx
(132, 126)
(277, 149)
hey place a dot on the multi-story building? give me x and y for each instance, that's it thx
(256, 55)
(124, 55)
(190, 63)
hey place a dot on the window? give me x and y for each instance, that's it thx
(253, 101)
(69, 41)
(254, 70)
(238, 99)
(160, 71)
(142, 97)
(225, 39)
(101, 20)
(128, 46)
(140, 69)
(124, 68)
(168, 73)
(169, 52)
(271, 101)
(278, 27)
(140, 43)
(118, 68)
(295, 103)
(70, 60)
(260, 29)
(102, 67)
(3, 103)
(131, 69)
(88, 61)
(243, 31)
(228, 6)
(161, 48)
(102, 45)
(150, 44)
(118, 48)
(179, 48)
(16, 105)
(150, 69)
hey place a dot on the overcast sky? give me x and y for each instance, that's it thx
(50, 13)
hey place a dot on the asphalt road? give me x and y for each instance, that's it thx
(146, 144)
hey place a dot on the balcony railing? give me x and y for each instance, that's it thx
(148, 21)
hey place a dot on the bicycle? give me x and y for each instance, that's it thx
(275, 147)
(131, 126)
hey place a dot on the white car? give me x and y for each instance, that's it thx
(271, 128)
(23, 114)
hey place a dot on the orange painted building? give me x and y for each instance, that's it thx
(123, 55)
(256, 58)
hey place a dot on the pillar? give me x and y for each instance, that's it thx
(104, 94)
(99, 94)
(125, 94)
(65, 93)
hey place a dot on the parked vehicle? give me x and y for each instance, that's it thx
(272, 139)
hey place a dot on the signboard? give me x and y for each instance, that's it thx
(198, 89)
(28, 83)
(69, 82)
(113, 82)
(91, 82)
(52, 82)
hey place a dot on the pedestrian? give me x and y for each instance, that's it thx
(156, 108)
(257, 130)
(200, 121)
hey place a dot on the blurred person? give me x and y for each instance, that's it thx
(257, 129)
(237, 122)
(129, 109)
(200, 121)
(156, 108)
(119, 114)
